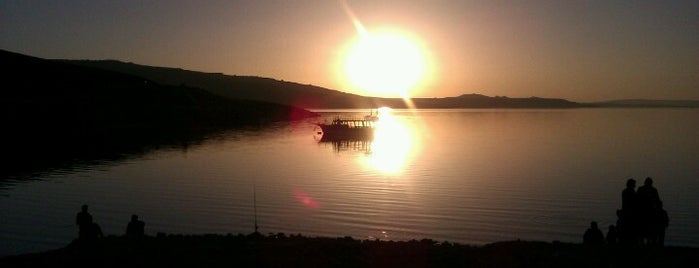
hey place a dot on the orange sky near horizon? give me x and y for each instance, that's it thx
(578, 50)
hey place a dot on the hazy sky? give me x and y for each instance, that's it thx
(579, 50)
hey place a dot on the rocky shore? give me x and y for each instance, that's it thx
(281, 250)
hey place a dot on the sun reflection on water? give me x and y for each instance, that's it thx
(392, 145)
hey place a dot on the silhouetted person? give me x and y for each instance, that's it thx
(135, 228)
(647, 200)
(84, 222)
(628, 196)
(659, 223)
(648, 196)
(593, 235)
(630, 213)
(612, 235)
(623, 234)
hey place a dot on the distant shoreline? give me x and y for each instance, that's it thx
(353, 110)
(314, 97)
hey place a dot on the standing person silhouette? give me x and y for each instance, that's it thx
(629, 213)
(648, 196)
(84, 222)
(628, 196)
(647, 200)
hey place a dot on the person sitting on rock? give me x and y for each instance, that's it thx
(135, 228)
(593, 235)
(84, 222)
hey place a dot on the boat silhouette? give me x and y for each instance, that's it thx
(340, 128)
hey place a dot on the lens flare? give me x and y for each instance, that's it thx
(306, 200)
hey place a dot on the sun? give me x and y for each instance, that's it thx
(385, 64)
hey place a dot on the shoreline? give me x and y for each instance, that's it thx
(280, 250)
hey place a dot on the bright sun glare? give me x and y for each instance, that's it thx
(385, 64)
(392, 146)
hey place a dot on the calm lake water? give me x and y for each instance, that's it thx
(469, 176)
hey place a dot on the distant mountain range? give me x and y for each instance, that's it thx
(54, 113)
(307, 96)
(314, 97)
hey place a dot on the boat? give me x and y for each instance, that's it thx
(347, 128)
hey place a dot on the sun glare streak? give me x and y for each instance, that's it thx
(409, 103)
(355, 21)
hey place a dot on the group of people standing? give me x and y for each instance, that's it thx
(640, 221)
(90, 231)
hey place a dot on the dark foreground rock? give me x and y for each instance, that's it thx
(299, 251)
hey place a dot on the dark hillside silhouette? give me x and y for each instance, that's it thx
(314, 97)
(40, 92)
(53, 111)
(481, 101)
(239, 87)
(308, 96)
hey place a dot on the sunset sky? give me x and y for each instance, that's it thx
(579, 50)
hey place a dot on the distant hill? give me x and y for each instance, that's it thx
(481, 101)
(55, 113)
(40, 92)
(238, 87)
(642, 103)
(314, 97)
(308, 96)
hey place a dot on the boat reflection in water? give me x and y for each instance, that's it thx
(363, 146)
(386, 142)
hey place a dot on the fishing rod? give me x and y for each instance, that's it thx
(254, 204)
